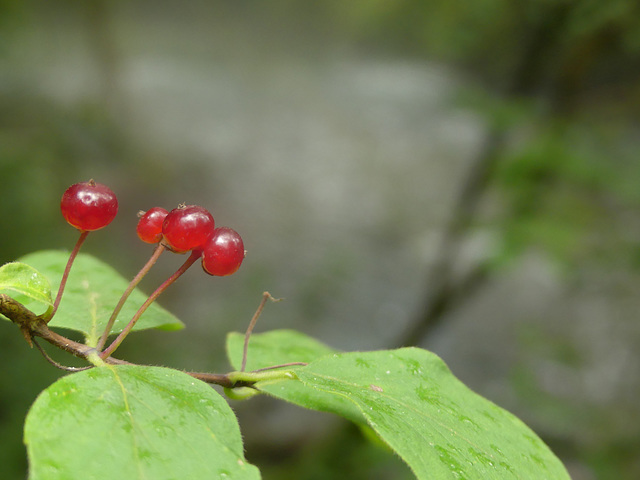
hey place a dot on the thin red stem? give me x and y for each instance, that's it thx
(183, 268)
(265, 296)
(134, 283)
(282, 365)
(65, 275)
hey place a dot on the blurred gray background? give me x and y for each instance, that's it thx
(460, 177)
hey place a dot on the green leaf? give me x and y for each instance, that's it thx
(440, 427)
(133, 422)
(93, 290)
(278, 347)
(26, 285)
(409, 397)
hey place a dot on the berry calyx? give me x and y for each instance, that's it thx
(149, 227)
(187, 227)
(223, 253)
(89, 206)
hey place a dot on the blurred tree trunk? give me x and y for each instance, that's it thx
(444, 292)
(553, 69)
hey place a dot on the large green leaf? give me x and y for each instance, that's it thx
(432, 420)
(278, 347)
(93, 290)
(132, 422)
(441, 428)
(26, 285)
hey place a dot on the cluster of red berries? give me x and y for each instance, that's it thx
(191, 227)
(90, 206)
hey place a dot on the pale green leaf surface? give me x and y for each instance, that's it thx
(93, 290)
(441, 428)
(26, 285)
(132, 422)
(410, 398)
(285, 346)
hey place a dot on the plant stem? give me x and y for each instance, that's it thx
(123, 334)
(221, 379)
(134, 283)
(33, 326)
(65, 275)
(254, 377)
(265, 296)
(56, 364)
(282, 365)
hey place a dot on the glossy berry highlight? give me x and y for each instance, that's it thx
(187, 227)
(89, 206)
(149, 227)
(224, 252)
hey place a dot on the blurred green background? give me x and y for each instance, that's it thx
(463, 176)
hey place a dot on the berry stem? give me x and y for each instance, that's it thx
(183, 268)
(65, 275)
(134, 283)
(265, 296)
(282, 365)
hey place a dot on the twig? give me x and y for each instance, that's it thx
(265, 296)
(282, 365)
(56, 364)
(221, 379)
(33, 326)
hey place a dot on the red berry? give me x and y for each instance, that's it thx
(187, 228)
(223, 253)
(149, 227)
(89, 206)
